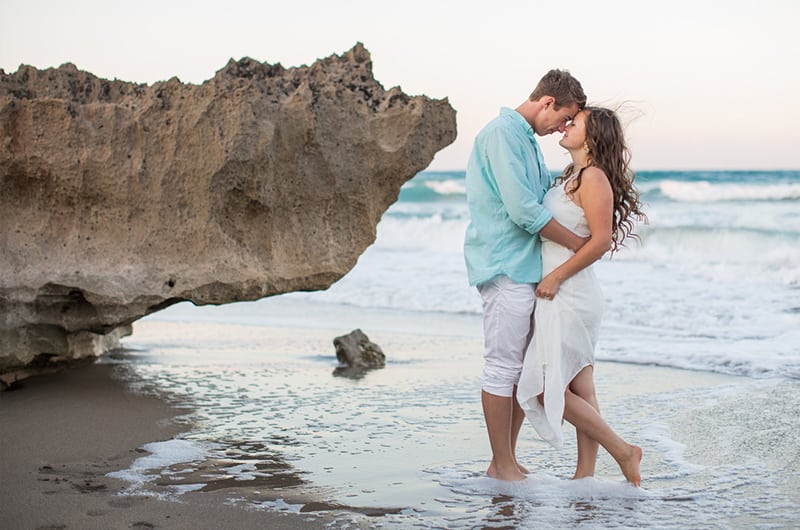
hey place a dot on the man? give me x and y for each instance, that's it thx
(506, 180)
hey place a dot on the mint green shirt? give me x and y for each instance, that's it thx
(506, 181)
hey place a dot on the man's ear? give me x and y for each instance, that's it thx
(547, 101)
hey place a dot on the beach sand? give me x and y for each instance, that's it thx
(61, 433)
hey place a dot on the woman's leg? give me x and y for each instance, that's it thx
(584, 417)
(583, 386)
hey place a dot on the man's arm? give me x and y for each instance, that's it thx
(555, 231)
(514, 188)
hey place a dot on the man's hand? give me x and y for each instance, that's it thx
(554, 231)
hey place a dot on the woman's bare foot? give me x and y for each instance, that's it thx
(511, 474)
(630, 465)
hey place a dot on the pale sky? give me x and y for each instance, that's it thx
(711, 84)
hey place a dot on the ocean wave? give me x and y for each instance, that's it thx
(717, 253)
(704, 191)
(679, 186)
(700, 230)
(448, 187)
(757, 362)
(423, 234)
(428, 190)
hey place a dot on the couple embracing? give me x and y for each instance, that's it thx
(529, 249)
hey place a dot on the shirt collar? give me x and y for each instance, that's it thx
(517, 117)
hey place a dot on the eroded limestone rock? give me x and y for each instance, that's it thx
(120, 199)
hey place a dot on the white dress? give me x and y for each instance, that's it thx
(566, 328)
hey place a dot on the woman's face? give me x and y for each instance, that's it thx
(575, 133)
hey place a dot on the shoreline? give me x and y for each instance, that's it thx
(63, 432)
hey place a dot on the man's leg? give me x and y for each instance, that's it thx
(517, 419)
(508, 308)
(518, 415)
(498, 412)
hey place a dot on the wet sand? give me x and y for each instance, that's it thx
(60, 434)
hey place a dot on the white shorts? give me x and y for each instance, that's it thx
(507, 330)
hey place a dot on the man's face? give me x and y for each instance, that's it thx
(552, 120)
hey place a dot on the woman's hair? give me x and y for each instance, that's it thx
(607, 151)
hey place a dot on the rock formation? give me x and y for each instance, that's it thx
(120, 199)
(357, 354)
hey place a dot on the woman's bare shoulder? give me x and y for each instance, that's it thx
(593, 173)
(595, 179)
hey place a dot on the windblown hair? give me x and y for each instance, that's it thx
(607, 151)
(562, 86)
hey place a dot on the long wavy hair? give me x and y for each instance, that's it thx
(607, 151)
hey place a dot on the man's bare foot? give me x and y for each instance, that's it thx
(582, 470)
(522, 469)
(630, 465)
(511, 474)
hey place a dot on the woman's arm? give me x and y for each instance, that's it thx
(597, 200)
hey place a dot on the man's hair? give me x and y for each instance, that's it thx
(562, 86)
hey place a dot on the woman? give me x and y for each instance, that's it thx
(594, 197)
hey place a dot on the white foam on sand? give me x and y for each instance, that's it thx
(541, 500)
(161, 456)
(672, 451)
(541, 486)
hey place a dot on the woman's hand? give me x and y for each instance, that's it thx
(548, 287)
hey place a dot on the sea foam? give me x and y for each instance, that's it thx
(703, 191)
